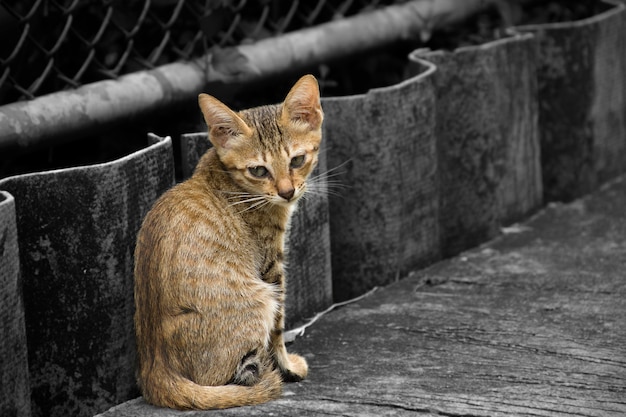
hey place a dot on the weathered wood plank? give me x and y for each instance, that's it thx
(14, 382)
(385, 221)
(487, 138)
(582, 96)
(531, 324)
(77, 230)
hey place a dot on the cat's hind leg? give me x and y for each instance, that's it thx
(251, 368)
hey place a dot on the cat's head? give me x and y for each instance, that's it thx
(270, 150)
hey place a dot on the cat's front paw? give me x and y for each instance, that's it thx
(296, 369)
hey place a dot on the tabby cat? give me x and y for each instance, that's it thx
(209, 278)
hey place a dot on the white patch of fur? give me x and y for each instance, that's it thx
(271, 308)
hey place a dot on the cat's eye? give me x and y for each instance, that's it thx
(258, 172)
(297, 161)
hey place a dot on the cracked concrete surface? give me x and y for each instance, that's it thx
(530, 324)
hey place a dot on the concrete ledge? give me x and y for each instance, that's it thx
(533, 323)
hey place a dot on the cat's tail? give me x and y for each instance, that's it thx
(184, 394)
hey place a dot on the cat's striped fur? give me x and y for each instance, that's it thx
(209, 262)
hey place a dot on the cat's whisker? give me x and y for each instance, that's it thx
(255, 200)
(326, 188)
(332, 172)
(321, 183)
(323, 193)
(327, 184)
(244, 196)
(324, 177)
(256, 206)
(241, 196)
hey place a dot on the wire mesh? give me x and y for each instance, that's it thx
(50, 45)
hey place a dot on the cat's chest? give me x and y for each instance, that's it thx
(271, 246)
(268, 230)
(268, 233)
(271, 252)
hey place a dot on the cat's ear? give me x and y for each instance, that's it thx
(225, 127)
(302, 106)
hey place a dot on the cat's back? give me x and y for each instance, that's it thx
(194, 215)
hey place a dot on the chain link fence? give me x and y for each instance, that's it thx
(50, 45)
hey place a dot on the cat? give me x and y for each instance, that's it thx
(210, 254)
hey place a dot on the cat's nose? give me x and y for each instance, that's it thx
(287, 193)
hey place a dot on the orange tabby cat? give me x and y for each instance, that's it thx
(209, 279)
